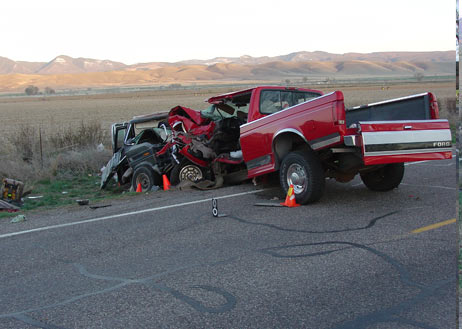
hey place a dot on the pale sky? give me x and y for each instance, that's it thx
(134, 31)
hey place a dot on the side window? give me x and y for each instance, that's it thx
(298, 98)
(119, 138)
(309, 96)
(286, 99)
(270, 101)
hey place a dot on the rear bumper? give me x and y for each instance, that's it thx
(384, 159)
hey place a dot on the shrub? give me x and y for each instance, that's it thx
(79, 162)
(49, 91)
(65, 152)
(75, 137)
(31, 90)
(24, 141)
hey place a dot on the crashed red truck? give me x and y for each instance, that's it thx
(307, 136)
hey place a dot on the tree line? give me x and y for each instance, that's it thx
(34, 90)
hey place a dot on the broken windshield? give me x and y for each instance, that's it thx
(231, 108)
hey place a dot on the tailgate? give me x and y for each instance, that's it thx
(404, 141)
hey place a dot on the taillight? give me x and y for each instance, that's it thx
(434, 110)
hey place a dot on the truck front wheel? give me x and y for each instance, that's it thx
(304, 171)
(145, 177)
(186, 171)
(385, 178)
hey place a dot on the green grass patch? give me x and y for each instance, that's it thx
(8, 214)
(65, 191)
(59, 192)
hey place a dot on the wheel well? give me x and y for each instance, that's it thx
(285, 143)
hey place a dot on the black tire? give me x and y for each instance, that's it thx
(186, 170)
(145, 177)
(385, 178)
(304, 170)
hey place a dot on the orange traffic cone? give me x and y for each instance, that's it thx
(290, 198)
(138, 188)
(165, 182)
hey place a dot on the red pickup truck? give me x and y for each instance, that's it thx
(302, 133)
(308, 136)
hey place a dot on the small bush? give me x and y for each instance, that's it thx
(31, 90)
(84, 135)
(71, 151)
(24, 142)
(49, 91)
(448, 109)
(72, 163)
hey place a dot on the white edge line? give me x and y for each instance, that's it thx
(410, 163)
(434, 186)
(45, 228)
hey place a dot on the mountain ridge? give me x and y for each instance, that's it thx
(67, 72)
(63, 64)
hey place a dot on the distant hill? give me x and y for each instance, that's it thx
(65, 64)
(59, 65)
(67, 72)
(321, 56)
(8, 66)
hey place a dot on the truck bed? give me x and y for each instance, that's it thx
(400, 130)
(415, 107)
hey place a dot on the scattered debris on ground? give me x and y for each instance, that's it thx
(215, 209)
(12, 190)
(100, 206)
(11, 194)
(5, 206)
(268, 204)
(18, 219)
(83, 202)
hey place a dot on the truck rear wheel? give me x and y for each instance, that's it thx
(304, 171)
(385, 178)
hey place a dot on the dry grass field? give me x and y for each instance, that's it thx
(60, 112)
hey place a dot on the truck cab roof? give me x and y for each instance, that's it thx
(220, 98)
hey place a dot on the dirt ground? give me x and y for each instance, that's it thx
(62, 111)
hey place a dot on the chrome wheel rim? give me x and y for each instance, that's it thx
(191, 173)
(296, 175)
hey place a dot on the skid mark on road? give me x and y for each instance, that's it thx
(230, 300)
(92, 220)
(371, 223)
(194, 303)
(387, 315)
(30, 321)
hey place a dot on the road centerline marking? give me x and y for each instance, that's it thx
(433, 226)
(97, 219)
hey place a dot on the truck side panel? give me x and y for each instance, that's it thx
(316, 121)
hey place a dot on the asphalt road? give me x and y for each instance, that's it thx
(352, 260)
